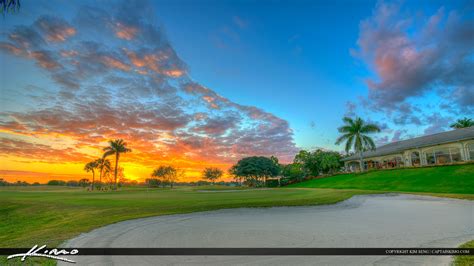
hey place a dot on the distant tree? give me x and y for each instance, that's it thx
(21, 183)
(90, 167)
(463, 123)
(355, 134)
(116, 147)
(83, 182)
(308, 162)
(202, 183)
(293, 171)
(318, 162)
(330, 161)
(167, 174)
(3, 182)
(153, 182)
(256, 168)
(72, 183)
(212, 174)
(233, 172)
(36, 184)
(56, 183)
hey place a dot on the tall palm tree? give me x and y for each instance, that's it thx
(7, 6)
(116, 147)
(104, 166)
(90, 167)
(354, 133)
(463, 123)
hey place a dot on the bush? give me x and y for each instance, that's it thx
(56, 183)
(72, 183)
(293, 171)
(272, 183)
(153, 182)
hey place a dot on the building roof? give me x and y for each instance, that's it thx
(419, 142)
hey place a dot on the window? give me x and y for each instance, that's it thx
(430, 158)
(455, 154)
(415, 158)
(470, 151)
(442, 156)
(392, 162)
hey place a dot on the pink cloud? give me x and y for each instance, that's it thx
(125, 32)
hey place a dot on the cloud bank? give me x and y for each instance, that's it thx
(414, 56)
(117, 76)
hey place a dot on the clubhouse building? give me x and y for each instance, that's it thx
(442, 148)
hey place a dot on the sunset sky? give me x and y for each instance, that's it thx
(205, 83)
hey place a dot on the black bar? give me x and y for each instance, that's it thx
(256, 251)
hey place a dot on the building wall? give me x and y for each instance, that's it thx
(465, 148)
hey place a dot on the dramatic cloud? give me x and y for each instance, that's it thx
(40, 152)
(55, 29)
(407, 114)
(422, 66)
(117, 76)
(412, 56)
(125, 32)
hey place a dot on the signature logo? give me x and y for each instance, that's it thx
(54, 253)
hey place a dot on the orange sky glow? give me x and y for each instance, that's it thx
(90, 80)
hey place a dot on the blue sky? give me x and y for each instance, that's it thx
(207, 82)
(291, 59)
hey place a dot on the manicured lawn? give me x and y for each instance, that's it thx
(465, 260)
(454, 179)
(50, 215)
(218, 187)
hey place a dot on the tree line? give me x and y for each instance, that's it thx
(252, 171)
(256, 171)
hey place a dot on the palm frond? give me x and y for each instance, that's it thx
(369, 128)
(369, 143)
(342, 138)
(349, 142)
(346, 129)
(108, 153)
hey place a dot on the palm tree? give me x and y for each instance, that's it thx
(7, 6)
(116, 147)
(355, 134)
(104, 166)
(90, 167)
(463, 123)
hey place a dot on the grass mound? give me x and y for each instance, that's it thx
(458, 179)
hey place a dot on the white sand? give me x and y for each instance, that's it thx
(362, 221)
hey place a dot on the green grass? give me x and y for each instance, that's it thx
(453, 179)
(218, 187)
(49, 215)
(465, 260)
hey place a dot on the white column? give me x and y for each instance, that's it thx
(422, 158)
